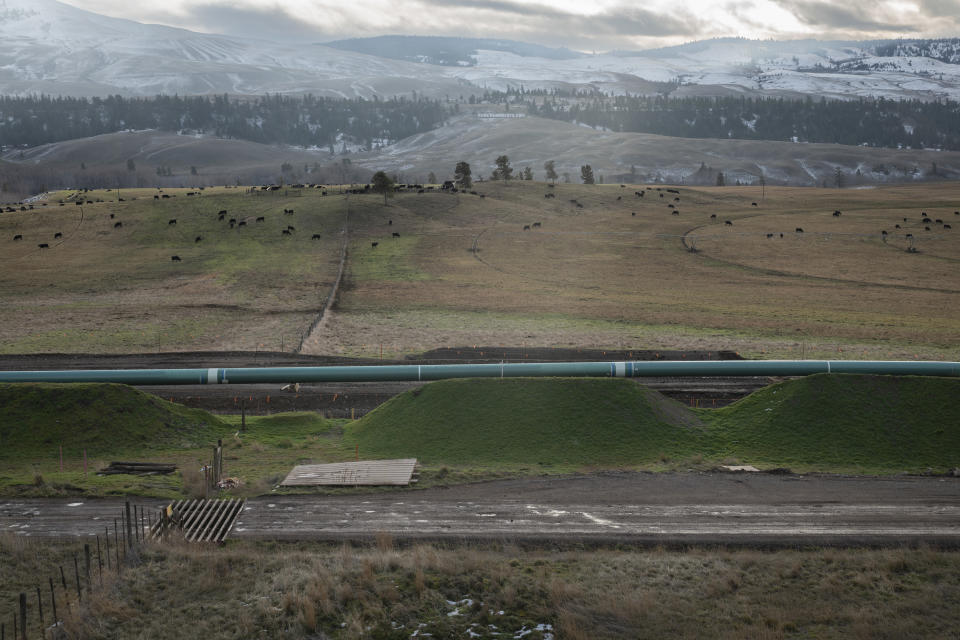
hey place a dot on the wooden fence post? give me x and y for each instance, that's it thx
(107, 543)
(129, 526)
(86, 563)
(23, 616)
(53, 600)
(99, 561)
(116, 544)
(40, 611)
(76, 574)
(63, 581)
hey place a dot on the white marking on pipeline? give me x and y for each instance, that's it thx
(828, 366)
(621, 369)
(212, 376)
(418, 374)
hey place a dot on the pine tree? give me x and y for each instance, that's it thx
(586, 174)
(551, 171)
(462, 175)
(382, 183)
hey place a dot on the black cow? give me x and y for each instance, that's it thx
(261, 219)
(222, 212)
(389, 222)
(753, 204)
(619, 197)
(674, 213)
(837, 214)
(117, 225)
(43, 245)
(713, 216)
(315, 236)
(526, 227)
(198, 239)
(536, 225)
(896, 226)
(242, 223)
(374, 244)
(946, 226)
(290, 227)
(171, 221)
(728, 223)
(18, 237)
(769, 235)
(175, 259)
(799, 230)
(286, 232)
(156, 197)
(633, 213)
(112, 216)
(396, 235)
(57, 235)
(220, 216)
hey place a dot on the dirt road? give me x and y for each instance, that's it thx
(633, 508)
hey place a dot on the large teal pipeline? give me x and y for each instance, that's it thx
(425, 372)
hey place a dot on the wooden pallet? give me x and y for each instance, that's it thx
(363, 472)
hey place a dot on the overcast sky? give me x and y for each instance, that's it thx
(591, 25)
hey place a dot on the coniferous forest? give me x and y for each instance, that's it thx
(871, 122)
(306, 121)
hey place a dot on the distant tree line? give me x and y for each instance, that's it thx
(306, 121)
(873, 122)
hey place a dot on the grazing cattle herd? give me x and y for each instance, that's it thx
(927, 222)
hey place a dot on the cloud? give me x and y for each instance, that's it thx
(940, 8)
(837, 17)
(264, 22)
(558, 27)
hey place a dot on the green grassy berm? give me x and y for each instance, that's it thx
(824, 422)
(104, 419)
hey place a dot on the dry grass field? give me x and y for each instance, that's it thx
(615, 272)
(500, 591)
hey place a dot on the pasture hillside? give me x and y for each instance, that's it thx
(599, 267)
(872, 424)
(531, 141)
(182, 160)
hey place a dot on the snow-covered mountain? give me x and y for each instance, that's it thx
(49, 47)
